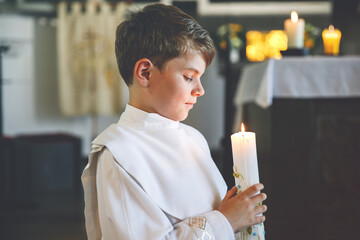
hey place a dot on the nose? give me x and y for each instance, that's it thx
(198, 90)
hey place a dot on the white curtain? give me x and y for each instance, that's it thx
(89, 81)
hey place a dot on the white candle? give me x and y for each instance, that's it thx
(246, 174)
(245, 158)
(294, 29)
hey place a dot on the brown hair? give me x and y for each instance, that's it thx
(160, 33)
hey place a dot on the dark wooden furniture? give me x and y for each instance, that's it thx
(41, 164)
(309, 161)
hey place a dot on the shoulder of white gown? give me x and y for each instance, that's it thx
(193, 132)
(110, 133)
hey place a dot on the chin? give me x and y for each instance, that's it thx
(179, 117)
(183, 118)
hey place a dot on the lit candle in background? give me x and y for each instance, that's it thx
(246, 173)
(294, 29)
(331, 38)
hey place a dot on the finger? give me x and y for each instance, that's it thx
(231, 193)
(260, 219)
(251, 191)
(260, 209)
(258, 198)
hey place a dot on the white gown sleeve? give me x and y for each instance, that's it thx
(127, 212)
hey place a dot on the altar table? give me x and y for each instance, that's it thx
(305, 112)
(298, 77)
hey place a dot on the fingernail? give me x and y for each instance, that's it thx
(265, 196)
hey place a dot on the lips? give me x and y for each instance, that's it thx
(190, 104)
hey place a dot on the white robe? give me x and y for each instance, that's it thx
(149, 177)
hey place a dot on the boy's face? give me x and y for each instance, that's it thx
(175, 89)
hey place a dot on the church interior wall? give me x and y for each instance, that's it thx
(37, 110)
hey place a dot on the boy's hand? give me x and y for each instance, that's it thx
(241, 209)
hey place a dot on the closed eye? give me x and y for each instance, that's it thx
(188, 78)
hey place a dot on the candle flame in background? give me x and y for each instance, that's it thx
(294, 16)
(242, 128)
(331, 28)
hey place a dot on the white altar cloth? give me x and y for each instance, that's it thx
(297, 77)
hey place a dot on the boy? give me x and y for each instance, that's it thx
(149, 176)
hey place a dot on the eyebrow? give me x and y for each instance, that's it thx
(193, 69)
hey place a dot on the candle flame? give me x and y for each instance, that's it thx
(242, 128)
(294, 16)
(331, 28)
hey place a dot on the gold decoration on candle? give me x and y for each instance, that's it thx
(238, 175)
(331, 38)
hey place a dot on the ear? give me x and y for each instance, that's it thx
(142, 71)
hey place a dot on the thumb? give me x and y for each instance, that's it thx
(231, 193)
